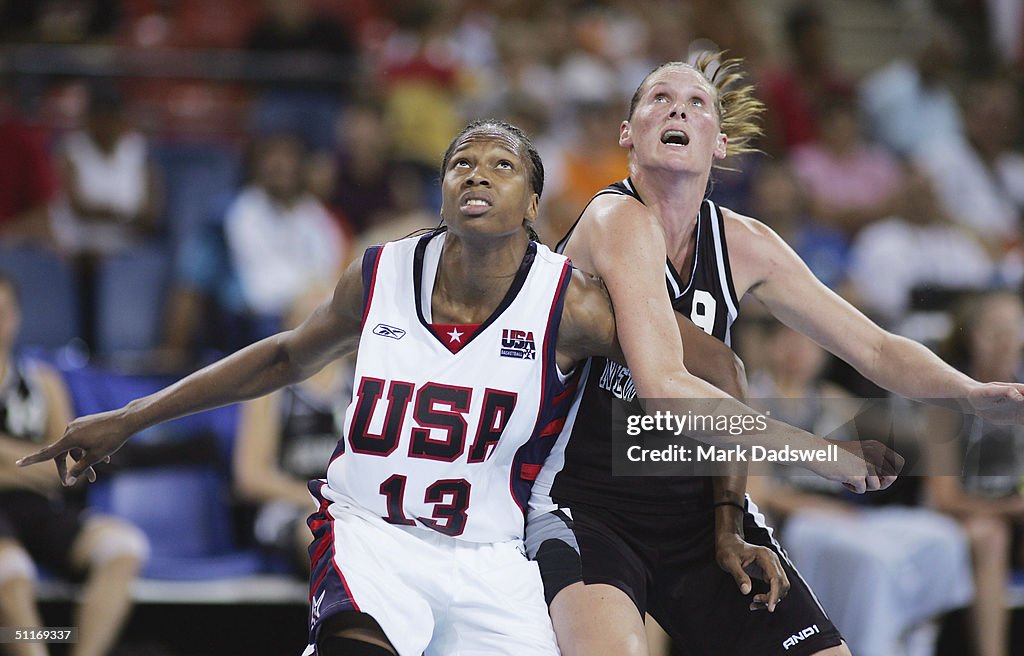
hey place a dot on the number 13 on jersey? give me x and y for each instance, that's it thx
(440, 430)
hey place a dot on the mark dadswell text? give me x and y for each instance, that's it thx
(736, 453)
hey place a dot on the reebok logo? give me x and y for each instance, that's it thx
(385, 330)
(792, 640)
(518, 344)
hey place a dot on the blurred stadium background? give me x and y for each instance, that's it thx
(865, 99)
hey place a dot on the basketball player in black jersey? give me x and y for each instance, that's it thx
(649, 544)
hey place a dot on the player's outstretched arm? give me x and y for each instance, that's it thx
(330, 332)
(797, 298)
(633, 272)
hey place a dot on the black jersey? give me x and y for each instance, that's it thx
(310, 427)
(23, 411)
(583, 474)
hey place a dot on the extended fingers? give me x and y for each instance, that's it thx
(48, 452)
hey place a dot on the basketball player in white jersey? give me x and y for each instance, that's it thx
(636, 235)
(463, 337)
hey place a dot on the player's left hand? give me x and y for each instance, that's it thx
(999, 403)
(742, 560)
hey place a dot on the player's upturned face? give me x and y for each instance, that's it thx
(486, 188)
(675, 123)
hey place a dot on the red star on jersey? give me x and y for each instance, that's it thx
(454, 335)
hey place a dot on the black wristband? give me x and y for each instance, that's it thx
(730, 503)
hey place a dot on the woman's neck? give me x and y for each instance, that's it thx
(675, 199)
(473, 278)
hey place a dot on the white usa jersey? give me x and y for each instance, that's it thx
(443, 437)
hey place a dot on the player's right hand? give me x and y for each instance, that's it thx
(88, 441)
(863, 465)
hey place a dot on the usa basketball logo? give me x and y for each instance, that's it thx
(518, 344)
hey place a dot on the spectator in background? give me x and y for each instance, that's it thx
(285, 439)
(523, 75)
(849, 182)
(280, 238)
(977, 481)
(777, 196)
(409, 213)
(361, 188)
(27, 179)
(876, 591)
(586, 159)
(420, 75)
(112, 193)
(908, 102)
(918, 246)
(980, 178)
(243, 271)
(39, 523)
(319, 55)
(793, 95)
(596, 70)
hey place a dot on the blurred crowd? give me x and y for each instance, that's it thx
(328, 118)
(178, 176)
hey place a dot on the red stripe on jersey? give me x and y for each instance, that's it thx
(323, 546)
(529, 472)
(571, 389)
(329, 543)
(553, 428)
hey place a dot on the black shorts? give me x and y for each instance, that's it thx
(45, 527)
(666, 564)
